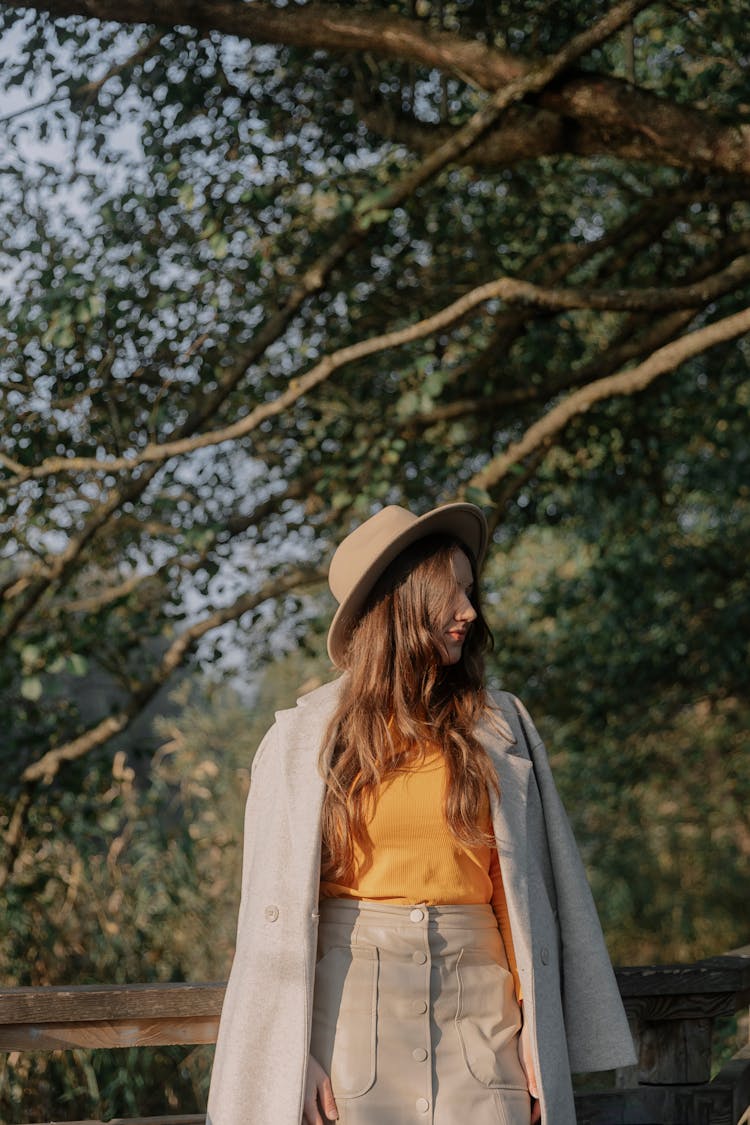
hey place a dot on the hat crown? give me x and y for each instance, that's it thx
(364, 545)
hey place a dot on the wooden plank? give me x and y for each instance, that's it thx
(108, 1033)
(658, 1009)
(712, 975)
(640, 1105)
(79, 1003)
(674, 1052)
(712, 978)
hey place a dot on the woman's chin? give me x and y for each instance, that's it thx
(452, 653)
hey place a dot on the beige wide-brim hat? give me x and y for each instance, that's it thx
(363, 556)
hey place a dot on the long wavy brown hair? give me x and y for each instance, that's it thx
(398, 699)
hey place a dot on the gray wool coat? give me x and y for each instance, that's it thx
(571, 1001)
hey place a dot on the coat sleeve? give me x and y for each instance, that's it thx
(263, 783)
(231, 1073)
(249, 1063)
(596, 1026)
(264, 1035)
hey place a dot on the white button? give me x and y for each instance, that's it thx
(271, 913)
(417, 915)
(419, 1054)
(419, 958)
(544, 954)
(422, 1105)
(418, 1007)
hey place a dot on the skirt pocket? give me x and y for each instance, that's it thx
(513, 1107)
(488, 1020)
(344, 1018)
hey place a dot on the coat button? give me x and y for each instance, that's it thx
(416, 915)
(418, 1007)
(271, 913)
(419, 958)
(419, 1054)
(422, 1105)
(544, 954)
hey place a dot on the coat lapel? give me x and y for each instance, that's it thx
(509, 821)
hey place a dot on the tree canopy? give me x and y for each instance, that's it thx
(269, 266)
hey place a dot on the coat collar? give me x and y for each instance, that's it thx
(510, 758)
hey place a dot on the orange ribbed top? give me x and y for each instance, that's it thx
(411, 855)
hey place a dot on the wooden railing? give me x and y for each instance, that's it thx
(672, 1010)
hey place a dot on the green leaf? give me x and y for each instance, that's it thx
(30, 655)
(340, 500)
(219, 245)
(31, 688)
(479, 496)
(372, 217)
(408, 404)
(78, 664)
(371, 201)
(186, 196)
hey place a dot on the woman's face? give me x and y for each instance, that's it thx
(462, 612)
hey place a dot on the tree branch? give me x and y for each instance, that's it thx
(315, 277)
(543, 432)
(234, 526)
(585, 115)
(14, 833)
(47, 767)
(43, 771)
(627, 346)
(56, 568)
(508, 289)
(644, 125)
(638, 232)
(313, 27)
(630, 343)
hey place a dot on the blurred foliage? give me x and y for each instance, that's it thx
(166, 195)
(137, 879)
(623, 620)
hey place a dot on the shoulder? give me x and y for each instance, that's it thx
(320, 701)
(507, 711)
(308, 719)
(305, 720)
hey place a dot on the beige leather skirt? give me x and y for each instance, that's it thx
(415, 1017)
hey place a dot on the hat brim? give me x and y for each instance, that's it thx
(464, 522)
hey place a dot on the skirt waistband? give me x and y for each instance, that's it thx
(383, 914)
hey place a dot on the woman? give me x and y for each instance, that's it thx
(416, 940)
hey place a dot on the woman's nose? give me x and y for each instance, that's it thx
(465, 610)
